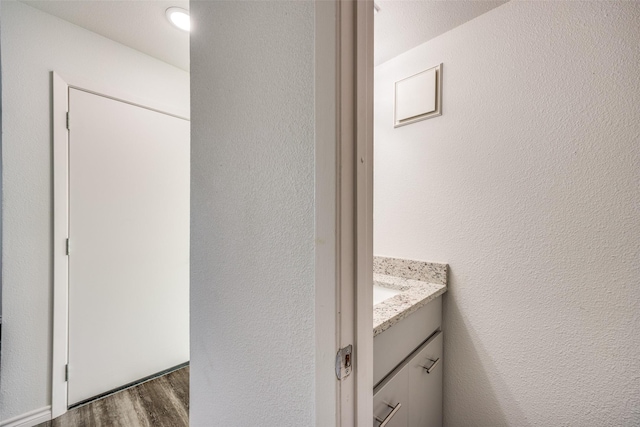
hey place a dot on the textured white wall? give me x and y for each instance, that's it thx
(33, 44)
(0, 174)
(252, 206)
(529, 187)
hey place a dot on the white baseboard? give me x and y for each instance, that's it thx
(30, 419)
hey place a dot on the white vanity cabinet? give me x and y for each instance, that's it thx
(411, 395)
(407, 343)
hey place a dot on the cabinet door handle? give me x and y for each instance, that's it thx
(391, 414)
(433, 365)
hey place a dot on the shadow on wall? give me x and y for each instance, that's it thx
(473, 363)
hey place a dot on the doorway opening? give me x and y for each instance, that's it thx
(97, 298)
(124, 218)
(410, 99)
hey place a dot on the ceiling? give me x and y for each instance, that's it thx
(404, 24)
(141, 24)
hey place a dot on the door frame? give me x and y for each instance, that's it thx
(364, 18)
(344, 208)
(60, 147)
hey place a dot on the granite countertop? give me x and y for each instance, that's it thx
(419, 283)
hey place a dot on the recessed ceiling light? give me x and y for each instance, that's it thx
(179, 18)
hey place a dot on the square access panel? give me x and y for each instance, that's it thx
(418, 97)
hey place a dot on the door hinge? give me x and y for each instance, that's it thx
(66, 372)
(68, 121)
(68, 247)
(344, 362)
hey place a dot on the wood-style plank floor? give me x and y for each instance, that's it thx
(161, 402)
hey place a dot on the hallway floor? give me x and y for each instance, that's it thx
(161, 402)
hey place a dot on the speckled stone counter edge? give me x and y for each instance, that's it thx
(409, 269)
(420, 283)
(415, 294)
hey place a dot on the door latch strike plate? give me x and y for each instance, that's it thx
(344, 362)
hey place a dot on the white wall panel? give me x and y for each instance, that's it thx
(252, 204)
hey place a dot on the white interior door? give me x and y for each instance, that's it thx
(129, 243)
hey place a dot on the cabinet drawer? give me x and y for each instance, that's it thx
(387, 396)
(392, 346)
(425, 387)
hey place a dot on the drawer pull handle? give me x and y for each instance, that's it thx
(391, 414)
(433, 365)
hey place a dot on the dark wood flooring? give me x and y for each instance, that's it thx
(161, 402)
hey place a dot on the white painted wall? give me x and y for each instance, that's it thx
(529, 187)
(252, 229)
(33, 44)
(0, 177)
